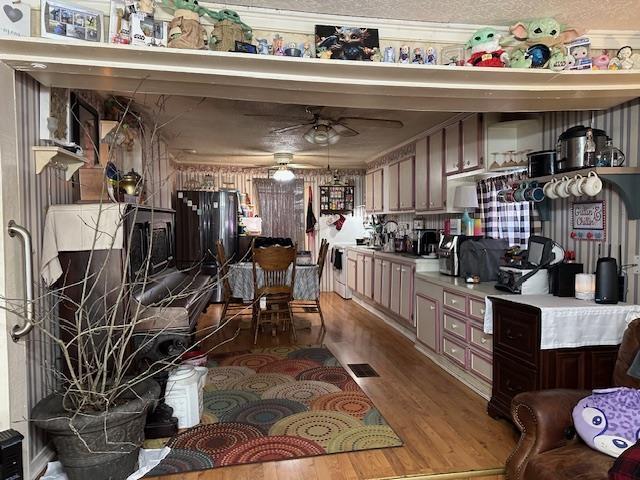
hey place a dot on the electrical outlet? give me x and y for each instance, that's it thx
(635, 268)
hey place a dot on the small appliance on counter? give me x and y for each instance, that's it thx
(531, 277)
(449, 254)
(425, 242)
(607, 287)
(541, 163)
(563, 278)
(572, 146)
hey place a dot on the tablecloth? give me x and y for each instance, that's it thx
(71, 228)
(306, 286)
(571, 323)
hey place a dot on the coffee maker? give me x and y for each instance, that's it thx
(425, 242)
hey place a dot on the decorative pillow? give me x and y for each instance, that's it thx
(609, 419)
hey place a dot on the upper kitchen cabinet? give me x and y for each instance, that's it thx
(437, 190)
(472, 143)
(368, 193)
(453, 149)
(406, 184)
(374, 191)
(393, 186)
(421, 175)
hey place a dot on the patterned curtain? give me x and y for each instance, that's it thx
(514, 221)
(282, 208)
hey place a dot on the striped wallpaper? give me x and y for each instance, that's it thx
(622, 124)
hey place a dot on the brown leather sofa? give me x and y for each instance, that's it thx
(548, 448)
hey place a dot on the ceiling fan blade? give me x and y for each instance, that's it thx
(291, 128)
(344, 131)
(287, 118)
(302, 166)
(380, 122)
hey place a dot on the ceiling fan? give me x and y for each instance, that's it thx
(325, 131)
(282, 170)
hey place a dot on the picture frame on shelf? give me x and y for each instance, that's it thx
(346, 42)
(15, 19)
(66, 21)
(243, 47)
(85, 128)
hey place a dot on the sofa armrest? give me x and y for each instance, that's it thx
(542, 418)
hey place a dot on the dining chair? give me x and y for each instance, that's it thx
(274, 272)
(234, 306)
(313, 306)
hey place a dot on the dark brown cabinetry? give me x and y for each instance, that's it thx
(519, 365)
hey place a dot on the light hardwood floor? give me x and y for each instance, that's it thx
(444, 425)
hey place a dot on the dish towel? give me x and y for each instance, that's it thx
(337, 259)
(72, 228)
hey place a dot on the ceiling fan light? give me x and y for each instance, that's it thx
(322, 135)
(283, 174)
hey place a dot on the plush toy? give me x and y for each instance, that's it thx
(545, 31)
(486, 50)
(559, 60)
(519, 59)
(609, 419)
(601, 62)
(404, 54)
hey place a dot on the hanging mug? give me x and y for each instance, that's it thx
(505, 196)
(550, 189)
(518, 194)
(593, 184)
(534, 193)
(562, 188)
(575, 186)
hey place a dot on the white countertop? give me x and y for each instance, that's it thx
(421, 264)
(457, 283)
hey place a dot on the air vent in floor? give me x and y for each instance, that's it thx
(362, 370)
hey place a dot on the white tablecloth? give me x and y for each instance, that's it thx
(569, 322)
(71, 228)
(306, 286)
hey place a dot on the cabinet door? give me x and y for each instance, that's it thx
(394, 303)
(385, 293)
(377, 280)
(368, 196)
(406, 292)
(406, 183)
(352, 269)
(472, 146)
(392, 183)
(360, 274)
(368, 277)
(427, 322)
(378, 191)
(422, 158)
(452, 149)
(436, 177)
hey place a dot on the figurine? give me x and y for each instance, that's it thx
(540, 55)
(615, 64)
(558, 60)
(417, 56)
(323, 53)
(404, 54)
(389, 55)
(306, 50)
(580, 50)
(628, 59)
(263, 46)
(486, 50)
(545, 31)
(520, 59)
(278, 45)
(377, 56)
(601, 62)
(292, 50)
(431, 57)
(453, 55)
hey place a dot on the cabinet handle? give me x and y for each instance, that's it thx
(482, 311)
(511, 336)
(398, 269)
(483, 340)
(453, 301)
(512, 389)
(432, 308)
(454, 325)
(453, 350)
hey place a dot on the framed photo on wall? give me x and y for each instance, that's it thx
(589, 221)
(85, 128)
(61, 20)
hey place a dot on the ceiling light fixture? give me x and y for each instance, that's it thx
(283, 173)
(322, 134)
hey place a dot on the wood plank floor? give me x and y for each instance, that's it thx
(444, 425)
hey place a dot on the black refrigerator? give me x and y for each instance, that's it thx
(202, 218)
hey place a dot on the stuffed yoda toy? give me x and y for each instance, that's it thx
(486, 50)
(545, 31)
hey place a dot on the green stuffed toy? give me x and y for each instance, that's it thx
(544, 31)
(486, 50)
(520, 59)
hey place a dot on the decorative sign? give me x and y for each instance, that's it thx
(588, 221)
(15, 19)
(61, 20)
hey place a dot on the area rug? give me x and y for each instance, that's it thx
(276, 404)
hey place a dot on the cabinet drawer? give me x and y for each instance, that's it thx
(455, 301)
(479, 339)
(454, 350)
(516, 332)
(454, 326)
(511, 378)
(476, 308)
(480, 366)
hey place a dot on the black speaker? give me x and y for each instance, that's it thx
(11, 455)
(563, 279)
(607, 290)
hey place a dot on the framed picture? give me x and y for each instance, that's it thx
(346, 43)
(67, 21)
(15, 19)
(242, 47)
(85, 128)
(588, 221)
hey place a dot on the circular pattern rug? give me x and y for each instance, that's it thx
(301, 391)
(282, 351)
(263, 413)
(179, 460)
(317, 354)
(374, 417)
(272, 448)
(218, 402)
(288, 366)
(218, 376)
(251, 360)
(337, 376)
(319, 426)
(364, 438)
(259, 383)
(356, 404)
(215, 439)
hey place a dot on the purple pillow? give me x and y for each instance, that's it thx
(609, 419)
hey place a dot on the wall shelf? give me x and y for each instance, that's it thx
(58, 157)
(625, 181)
(274, 79)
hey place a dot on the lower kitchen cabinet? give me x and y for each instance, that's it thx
(360, 274)
(406, 293)
(395, 288)
(427, 321)
(385, 274)
(368, 277)
(352, 275)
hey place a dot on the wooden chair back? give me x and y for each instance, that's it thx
(322, 256)
(223, 268)
(275, 263)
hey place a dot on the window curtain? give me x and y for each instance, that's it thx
(282, 208)
(515, 221)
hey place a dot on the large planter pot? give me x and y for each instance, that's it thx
(102, 446)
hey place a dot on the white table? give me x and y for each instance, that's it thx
(306, 285)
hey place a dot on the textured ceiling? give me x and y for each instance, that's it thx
(588, 14)
(219, 131)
